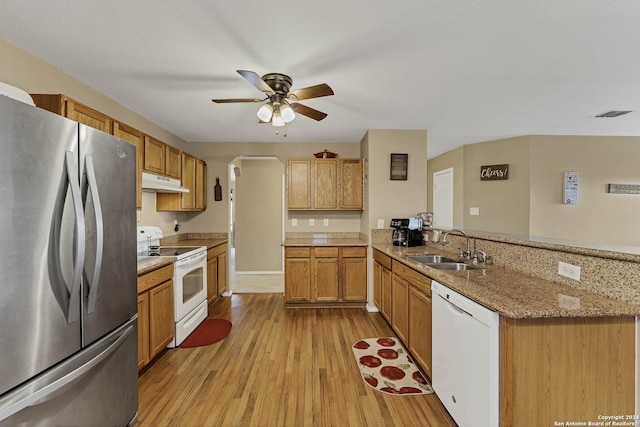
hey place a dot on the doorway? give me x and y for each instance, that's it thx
(256, 224)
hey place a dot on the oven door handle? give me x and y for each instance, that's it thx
(191, 261)
(92, 185)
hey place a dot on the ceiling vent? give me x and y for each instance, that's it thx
(614, 113)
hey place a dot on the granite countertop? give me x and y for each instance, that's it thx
(324, 241)
(149, 263)
(513, 294)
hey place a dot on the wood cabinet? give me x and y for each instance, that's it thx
(216, 272)
(324, 184)
(400, 307)
(382, 283)
(155, 313)
(74, 110)
(559, 369)
(420, 328)
(193, 178)
(326, 275)
(155, 155)
(133, 136)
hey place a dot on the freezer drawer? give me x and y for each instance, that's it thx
(96, 387)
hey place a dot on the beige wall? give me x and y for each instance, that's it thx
(530, 202)
(258, 228)
(598, 217)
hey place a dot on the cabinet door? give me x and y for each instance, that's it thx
(420, 328)
(222, 273)
(212, 279)
(188, 181)
(350, 180)
(299, 184)
(400, 307)
(173, 165)
(325, 178)
(326, 279)
(201, 185)
(354, 274)
(143, 329)
(161, 321)
(377, 284)
(385, 294)
(133, 136)
(154, 155)
(88, 116)
(297, 279)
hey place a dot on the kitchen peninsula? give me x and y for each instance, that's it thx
(565, 353)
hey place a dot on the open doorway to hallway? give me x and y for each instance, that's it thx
(256, 225)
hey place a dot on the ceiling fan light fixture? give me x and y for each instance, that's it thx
(287, 113)
(265, 112)
(277, 120)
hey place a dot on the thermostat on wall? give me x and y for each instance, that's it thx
(570, 188)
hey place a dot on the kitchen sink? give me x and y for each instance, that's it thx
(453, 266)
(431, 258)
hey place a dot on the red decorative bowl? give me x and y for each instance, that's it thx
(325, 155)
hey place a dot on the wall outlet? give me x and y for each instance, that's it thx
(474, 211)
(381, 223)
(569, 270)
(312, 222)
(138, 216)
(294, 222)
(325, 222)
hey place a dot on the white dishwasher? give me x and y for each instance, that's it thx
(465, 357)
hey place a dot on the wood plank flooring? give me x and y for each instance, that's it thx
(278, 367)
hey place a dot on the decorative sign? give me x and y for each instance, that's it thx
(494, 172)
(399, 164)
(624, 188)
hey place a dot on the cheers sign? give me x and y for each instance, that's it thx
(494, 172)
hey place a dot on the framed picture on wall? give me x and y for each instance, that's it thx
(399, 164)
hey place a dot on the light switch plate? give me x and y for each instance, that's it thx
(474, 211)
(381, 223)
(294, 222)
(312, 222)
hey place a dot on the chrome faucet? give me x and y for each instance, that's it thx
(467, 254)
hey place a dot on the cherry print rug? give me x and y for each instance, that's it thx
(386, 366)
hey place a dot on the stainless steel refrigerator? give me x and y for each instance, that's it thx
(68, 292)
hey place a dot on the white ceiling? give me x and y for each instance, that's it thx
(466, 71)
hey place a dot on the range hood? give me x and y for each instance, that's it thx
(161, 184)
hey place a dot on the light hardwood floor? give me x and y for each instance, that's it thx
(278, 367)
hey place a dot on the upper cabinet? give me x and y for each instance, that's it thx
(194, 178)
(73, 110)
(324, 184)
(134, 137)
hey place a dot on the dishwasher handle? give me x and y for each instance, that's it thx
(455, 308)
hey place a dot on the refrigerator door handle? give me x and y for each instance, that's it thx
(97, 208)
(68, 296)
(34, 398)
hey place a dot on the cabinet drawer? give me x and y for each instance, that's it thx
(382, 259)
(218, 250)
(354, 252)
(416, 279)
(321, 252)
(297, 252)
(154, 278)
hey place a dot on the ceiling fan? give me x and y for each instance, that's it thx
(280, 106)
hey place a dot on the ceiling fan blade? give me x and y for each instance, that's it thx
(227, 101)
(316, 91)
(255, 80)
(308, 111)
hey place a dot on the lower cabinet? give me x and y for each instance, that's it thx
(400, 307)
(155, 313)
(325, 275)
(382, 283)
(420, 328)
(216, 272)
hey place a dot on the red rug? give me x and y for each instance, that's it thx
(387, 367)
(208, 332)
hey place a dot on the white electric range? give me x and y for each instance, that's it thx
(189, 279)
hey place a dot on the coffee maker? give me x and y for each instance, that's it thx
(407, 231)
